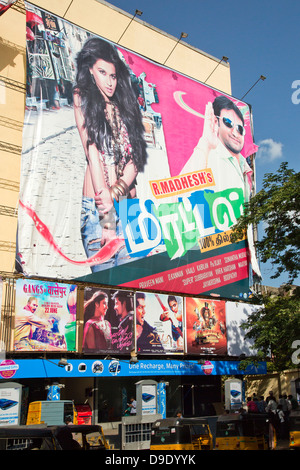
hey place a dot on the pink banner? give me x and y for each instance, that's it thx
(201, 276)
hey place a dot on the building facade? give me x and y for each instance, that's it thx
(41, 254)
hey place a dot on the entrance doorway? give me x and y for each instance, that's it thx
(197, 400)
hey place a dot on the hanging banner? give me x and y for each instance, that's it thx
(45, 316)
(129, 164)
(205, 326)
(159, 323)
(108, 321)
(5, 5)
(236, 314)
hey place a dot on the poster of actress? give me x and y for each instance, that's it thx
(205, 326)
(108, 321)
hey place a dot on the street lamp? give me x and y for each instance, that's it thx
(137, 13)
(182, 35)
(224, 59)
(262, 77)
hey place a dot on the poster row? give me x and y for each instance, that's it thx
(50, 317)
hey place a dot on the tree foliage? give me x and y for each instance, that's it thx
(275, 327)
(277, 208)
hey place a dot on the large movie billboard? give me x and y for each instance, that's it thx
(132, 174)
(45, 316)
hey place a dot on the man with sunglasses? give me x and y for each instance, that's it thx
(220, 146)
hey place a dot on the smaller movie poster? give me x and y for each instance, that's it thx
(45, 316)
(159, 323)
(205, 326)
(108, 321)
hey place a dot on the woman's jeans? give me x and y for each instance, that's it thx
(91, 233)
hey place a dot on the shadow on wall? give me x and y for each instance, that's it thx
(8, 55)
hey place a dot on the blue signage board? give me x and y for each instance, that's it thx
(45, 368)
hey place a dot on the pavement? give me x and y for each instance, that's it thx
(282, 444)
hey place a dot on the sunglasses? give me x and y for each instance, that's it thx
(230, 124)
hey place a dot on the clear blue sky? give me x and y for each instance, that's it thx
(260, 37)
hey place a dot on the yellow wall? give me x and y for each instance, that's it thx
(100, 18)
(110, 22)
(278, 382)
(12, 99)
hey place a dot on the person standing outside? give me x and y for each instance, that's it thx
(132, 406)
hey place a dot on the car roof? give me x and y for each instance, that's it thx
(85, 428)
(33, 430)
(42, 430)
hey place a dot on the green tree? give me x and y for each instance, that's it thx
(274, 328)
(276, 207)
(276, 325)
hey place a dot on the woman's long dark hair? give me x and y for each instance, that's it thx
(89, 305)
(93, 103)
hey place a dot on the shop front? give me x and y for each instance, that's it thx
(106, 386)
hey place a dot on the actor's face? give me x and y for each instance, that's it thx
(119, 306)
(105, 77)
(206, 314)
(101, 307)
(33, 305)
(173, 306)
(140, 311)
(230, 131)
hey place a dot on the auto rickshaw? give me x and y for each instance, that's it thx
(43, 437)
(181, 434)
(50, 412)
(245, 431)
(89, 436)
(25, 437)
(294, 429)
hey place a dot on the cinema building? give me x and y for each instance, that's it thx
(155, 289)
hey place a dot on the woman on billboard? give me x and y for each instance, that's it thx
(97, 330)
(110, 125)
